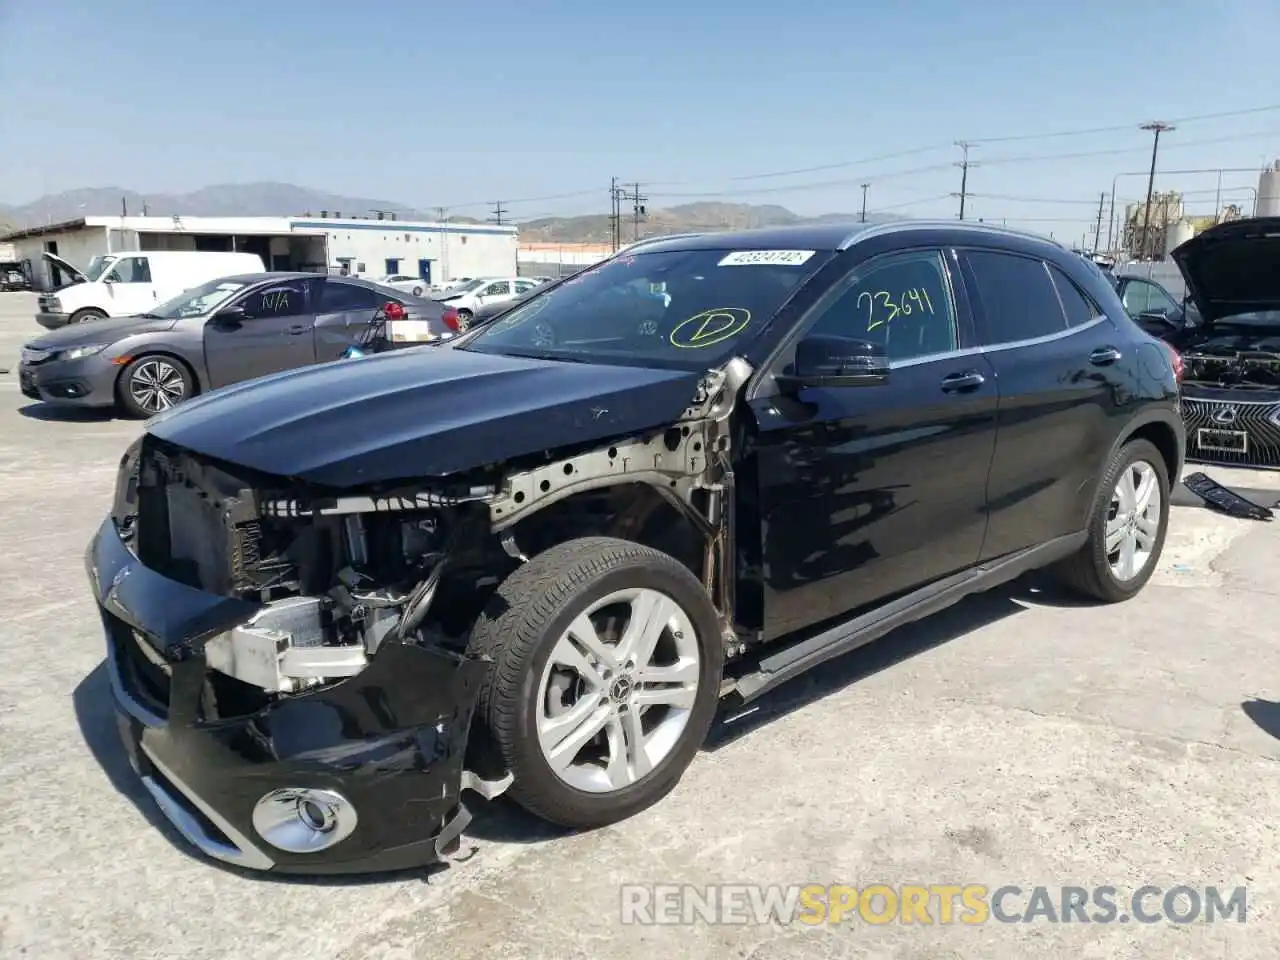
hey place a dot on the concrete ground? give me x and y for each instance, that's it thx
(1017, 739)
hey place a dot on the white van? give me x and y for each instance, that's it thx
(134, 281)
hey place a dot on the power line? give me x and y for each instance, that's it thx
(930, 148)
(1120, 128)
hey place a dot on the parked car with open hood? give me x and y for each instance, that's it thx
(535, 558)
(133, 282)
(1231, 346)
(221, 332)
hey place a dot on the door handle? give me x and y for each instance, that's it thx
(960, 382)
(1104, 355)
(297, 328)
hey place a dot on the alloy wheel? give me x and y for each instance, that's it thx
(617, 690)
(157, 385)
(1133, 521)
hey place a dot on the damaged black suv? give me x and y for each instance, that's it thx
(537, 558)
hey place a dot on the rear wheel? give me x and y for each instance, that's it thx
(606, 661)
(152, 384)
(1127, 527)
(87, 314)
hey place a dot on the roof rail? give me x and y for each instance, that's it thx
(650, 240)
(895, 226)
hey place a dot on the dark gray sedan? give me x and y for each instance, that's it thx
(222, 332)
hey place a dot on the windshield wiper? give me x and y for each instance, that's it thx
(150, 316)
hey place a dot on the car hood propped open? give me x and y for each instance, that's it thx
(421, 412)
(1233, 268)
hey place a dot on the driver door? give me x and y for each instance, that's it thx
(130, 287)
(274, 334)
(868, 492)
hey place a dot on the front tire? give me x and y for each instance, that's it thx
(85, 315)
(1127, 527)
(606, 659)
(152, 384)
(417, 291)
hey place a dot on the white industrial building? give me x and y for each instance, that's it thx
(436, 252)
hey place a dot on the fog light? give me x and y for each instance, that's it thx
(303, 820)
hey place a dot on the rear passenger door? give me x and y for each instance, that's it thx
(344, 312)
(1054, 354)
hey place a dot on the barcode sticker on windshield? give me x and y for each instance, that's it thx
(766, 258)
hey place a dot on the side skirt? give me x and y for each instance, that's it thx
(800, 657)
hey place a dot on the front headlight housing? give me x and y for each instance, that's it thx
(79, 353)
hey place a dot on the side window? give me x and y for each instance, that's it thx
(283, 300)
(524, 286)
(494, 289)
(130, 270)
(1143, 296)
(1078, 307)
(901, 301)
(337, 297)
(1018, 298)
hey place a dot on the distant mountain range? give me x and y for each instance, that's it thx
(286, 199)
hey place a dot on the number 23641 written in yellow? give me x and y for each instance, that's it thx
(881, 306)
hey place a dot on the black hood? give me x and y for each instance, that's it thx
(1233, 268)
(107, 330)
(422, 412)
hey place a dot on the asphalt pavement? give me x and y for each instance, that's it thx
(1018, 739)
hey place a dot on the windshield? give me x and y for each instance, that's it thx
(198, 300)
(98, 266)
(684, 309)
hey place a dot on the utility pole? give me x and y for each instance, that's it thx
(964, 166)
(615, 214)
(1097, 231)
(498, 211)
(863, 218)
(1157, 127)
(637, 209)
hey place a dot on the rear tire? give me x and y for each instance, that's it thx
(591, 761)
(1127, 527)
(85, 315)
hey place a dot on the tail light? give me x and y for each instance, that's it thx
(1175, 358)
(393, 311)
(451, 320)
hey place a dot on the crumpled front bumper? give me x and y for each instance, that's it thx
(391, 740)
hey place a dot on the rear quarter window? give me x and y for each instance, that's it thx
(1079, 308)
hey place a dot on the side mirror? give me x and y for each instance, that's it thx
(231, 317)
(826, 361)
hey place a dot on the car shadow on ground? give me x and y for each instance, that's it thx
(503, 821)
(1264, 713)
(51, 414)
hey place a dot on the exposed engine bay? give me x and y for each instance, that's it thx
(1240, 360)
(339, 574)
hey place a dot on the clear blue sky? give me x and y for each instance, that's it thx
(434, 103)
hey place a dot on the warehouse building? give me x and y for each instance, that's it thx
(436, 252)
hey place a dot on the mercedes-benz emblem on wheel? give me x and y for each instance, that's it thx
(1224, 415)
